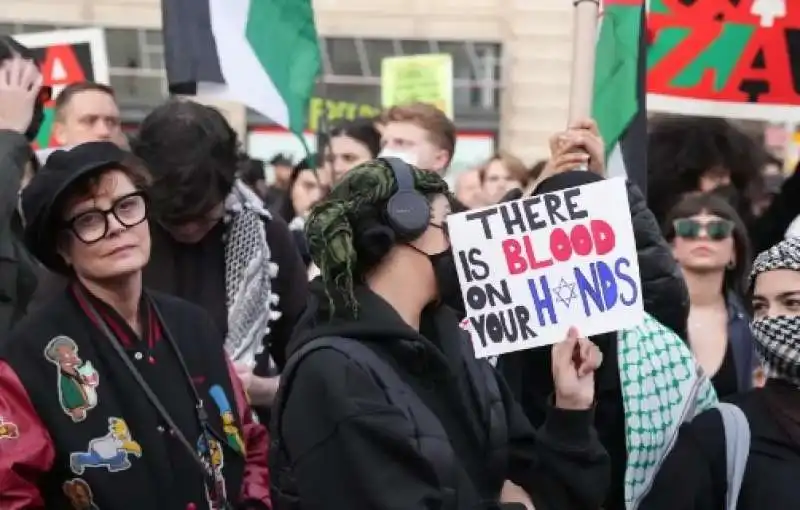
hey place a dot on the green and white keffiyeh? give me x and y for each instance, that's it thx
(662, 388)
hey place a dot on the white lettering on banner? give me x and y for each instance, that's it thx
(531, 268)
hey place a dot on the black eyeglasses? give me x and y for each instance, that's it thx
(716, 230)
(92, 226)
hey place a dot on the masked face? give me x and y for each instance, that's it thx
(776, 323)
(444, 269)
(404, 155)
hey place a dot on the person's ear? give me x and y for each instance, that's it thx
(59, 132)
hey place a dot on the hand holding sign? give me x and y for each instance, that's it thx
(574, 362)
(579, 146)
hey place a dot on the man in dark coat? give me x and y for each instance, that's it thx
(20, 117)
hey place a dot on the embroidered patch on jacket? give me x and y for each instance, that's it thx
(232, 433)
(210, 451)
(8, 430)
(110, 451)
(77, 379)
(79, 494)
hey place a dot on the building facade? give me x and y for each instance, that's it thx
(511, 57)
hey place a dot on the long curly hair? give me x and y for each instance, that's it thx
(681, 150)
(348, 233)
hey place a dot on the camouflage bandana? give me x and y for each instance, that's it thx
(329, 228)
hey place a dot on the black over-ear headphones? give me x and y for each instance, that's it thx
(408, 211)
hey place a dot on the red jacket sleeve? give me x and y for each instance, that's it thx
(26, 449)
(255, 486)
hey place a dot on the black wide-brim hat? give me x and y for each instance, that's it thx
(48, 188)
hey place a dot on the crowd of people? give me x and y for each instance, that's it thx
(177, 332)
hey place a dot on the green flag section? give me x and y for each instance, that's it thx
(619, 88)
(261, 53)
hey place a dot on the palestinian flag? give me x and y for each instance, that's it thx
(619, 104)
(262, 53)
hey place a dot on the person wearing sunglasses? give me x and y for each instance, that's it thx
(115, 396)
(710, 243)
(21, 114)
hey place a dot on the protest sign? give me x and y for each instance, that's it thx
(66, 56)
(418, 78)
(531, 268)
(337, 111)
(725, 58)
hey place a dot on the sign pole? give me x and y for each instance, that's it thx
(584, 44)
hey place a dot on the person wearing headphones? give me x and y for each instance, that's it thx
(383, 403)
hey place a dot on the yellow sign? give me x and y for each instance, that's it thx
(418, 78)
(338, 111)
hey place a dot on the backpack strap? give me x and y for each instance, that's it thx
(396, 388)
(737, 449)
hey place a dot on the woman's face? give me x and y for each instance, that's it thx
(306, 191)
(346, 153)
(497, 181)
(776, 293)
(108, 236)
(704, 243)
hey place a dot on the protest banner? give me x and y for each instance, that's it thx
(725, 58)
(66, 56)
(418, 78)
(531, 268)
(338, 111)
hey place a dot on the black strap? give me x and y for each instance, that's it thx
(153, 398)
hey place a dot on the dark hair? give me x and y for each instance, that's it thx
(10, 48)
(308, 163)
(710, 203)
(682, 149)
(537, 169)
(251, 171)
(348, 232)
(361, 130)
(193, 154)
(73, 89)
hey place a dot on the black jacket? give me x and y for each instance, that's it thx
(665, 297)
(693, 476)
(350, 448)
(17, 267)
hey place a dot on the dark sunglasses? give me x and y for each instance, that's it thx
(716, 230)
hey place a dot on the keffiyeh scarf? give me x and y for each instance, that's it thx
(778, 338)
(249, 271)
(662, 388)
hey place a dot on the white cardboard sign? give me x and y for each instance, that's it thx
(531, 268)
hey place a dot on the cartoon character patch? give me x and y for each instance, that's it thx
(79, 494)
(77, 379)
(232, 433)
(110, 451)
(210, 451)
(8, 430)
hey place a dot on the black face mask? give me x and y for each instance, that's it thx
(444, 269)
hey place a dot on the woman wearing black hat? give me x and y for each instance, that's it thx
(112, 396)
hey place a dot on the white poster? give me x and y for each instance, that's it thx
(531, 268)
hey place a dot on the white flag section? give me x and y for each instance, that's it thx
(531, 268)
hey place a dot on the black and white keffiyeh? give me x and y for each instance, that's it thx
(249, 271)
(778, 338)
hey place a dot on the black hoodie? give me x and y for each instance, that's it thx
(351, 449)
